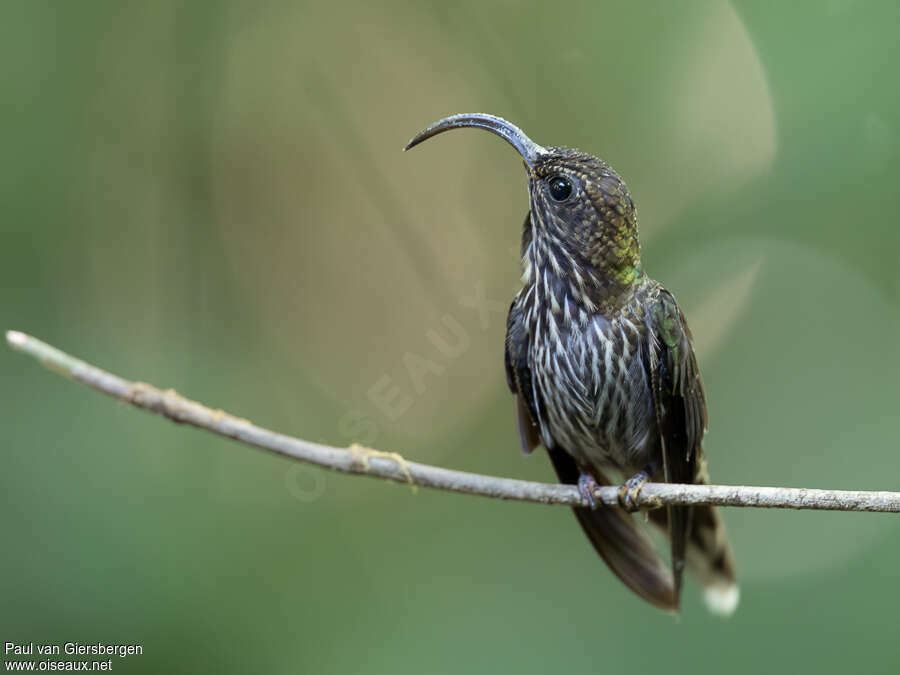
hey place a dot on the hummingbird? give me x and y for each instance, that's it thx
(600, 360)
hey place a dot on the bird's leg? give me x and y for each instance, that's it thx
(628, 493)
(587, 485)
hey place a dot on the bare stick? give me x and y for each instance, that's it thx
(359, 460)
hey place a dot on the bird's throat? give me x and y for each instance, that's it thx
(567, 283)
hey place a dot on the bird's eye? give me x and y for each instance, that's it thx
(560, 188)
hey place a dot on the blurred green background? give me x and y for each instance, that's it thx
(211, 196)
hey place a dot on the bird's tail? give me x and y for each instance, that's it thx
(710, 559)
(630, 553)
(708, 555)
(622, 543)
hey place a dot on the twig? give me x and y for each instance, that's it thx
(359, 460)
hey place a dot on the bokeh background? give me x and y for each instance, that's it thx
(211, 196)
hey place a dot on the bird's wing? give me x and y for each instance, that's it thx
(518, 376)
(680, 407)
(518, 373)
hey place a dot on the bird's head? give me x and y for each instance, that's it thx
(581, 212)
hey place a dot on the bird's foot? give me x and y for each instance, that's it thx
(629, 493)
(587, 485)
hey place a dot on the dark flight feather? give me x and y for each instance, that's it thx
(680, 407)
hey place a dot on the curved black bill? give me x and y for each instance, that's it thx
(513, 135)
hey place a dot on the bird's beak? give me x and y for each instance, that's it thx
(530, 151)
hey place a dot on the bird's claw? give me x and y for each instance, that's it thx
(587, 485)
(629, 493)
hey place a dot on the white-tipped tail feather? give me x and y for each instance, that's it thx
(722, 599)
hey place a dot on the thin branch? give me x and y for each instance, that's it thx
(359, 460)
